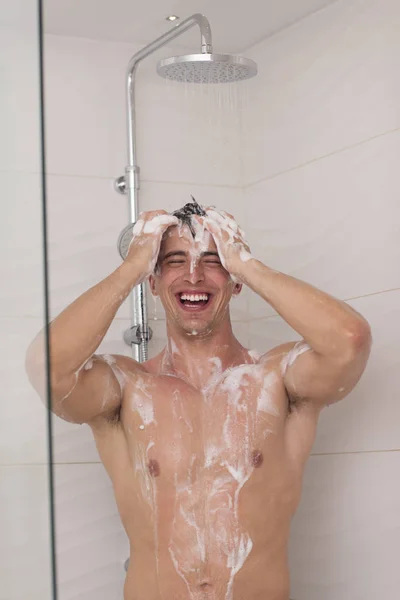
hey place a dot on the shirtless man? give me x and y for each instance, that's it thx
(207, 442)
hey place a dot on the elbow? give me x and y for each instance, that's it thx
(358, 338)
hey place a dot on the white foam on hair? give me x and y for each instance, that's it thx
(157, 222)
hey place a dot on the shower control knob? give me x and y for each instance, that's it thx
(120, 185)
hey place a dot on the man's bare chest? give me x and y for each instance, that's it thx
(229, 428)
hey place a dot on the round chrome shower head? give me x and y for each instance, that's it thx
(207, 68)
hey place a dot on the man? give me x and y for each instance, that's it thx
(206, 443)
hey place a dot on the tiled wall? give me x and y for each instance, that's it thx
(314, 184)
(25, 558)
(322, 183)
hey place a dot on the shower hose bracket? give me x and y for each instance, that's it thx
(138, 334)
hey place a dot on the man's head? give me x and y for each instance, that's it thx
(194, 287)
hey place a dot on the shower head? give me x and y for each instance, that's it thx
(207, 68)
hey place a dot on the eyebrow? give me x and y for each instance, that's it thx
(183, 253)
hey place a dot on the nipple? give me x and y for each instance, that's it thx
(257, 458)
(154, 468)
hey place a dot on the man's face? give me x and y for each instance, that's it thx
(186, 270)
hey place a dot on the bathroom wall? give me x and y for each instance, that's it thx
(321, 187)
(25, 554)
(186, 145)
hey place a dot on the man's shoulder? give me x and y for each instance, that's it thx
(276, 357)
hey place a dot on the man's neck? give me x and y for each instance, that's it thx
(197, 358)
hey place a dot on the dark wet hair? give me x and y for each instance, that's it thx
(185, 213)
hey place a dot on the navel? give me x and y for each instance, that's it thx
(154, 468)
(257, 458)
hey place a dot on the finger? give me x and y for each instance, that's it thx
(160, 223)
(212, 226)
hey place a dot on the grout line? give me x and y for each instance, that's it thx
(318, 158)
(354, 452)
(43, 464)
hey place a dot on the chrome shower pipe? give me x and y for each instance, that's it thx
(131, 182)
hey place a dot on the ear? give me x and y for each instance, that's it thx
(152, 285)
(237, 289)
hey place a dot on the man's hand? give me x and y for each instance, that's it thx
(145, 245)
(229, 238)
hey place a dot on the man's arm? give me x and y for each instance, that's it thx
(85, 386)
(330, 360)
(336, 339)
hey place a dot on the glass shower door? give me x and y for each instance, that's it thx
(26, 561)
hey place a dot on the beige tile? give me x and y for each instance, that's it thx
(25, 565)
(344, 538)
(91, 543)
(333, 224)
(368, 418)
(325, 83)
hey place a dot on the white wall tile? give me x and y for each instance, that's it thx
(333, 223)
(184, 133)
(21, 261)
(91, 543)
(85, 106)
(19, 98)
(23, 416)
(368, 418)
(325, 83)
(25, 565)
(188, 132)
(345, 536)
(85, 216)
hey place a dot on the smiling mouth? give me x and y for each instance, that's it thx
(193, 302)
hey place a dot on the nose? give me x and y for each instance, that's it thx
(194, 272)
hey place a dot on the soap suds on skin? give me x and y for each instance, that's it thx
(298, 349)
(119, 374)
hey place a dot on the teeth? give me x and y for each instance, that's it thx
(194, 297)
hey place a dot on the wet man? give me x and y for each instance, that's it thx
(207, 442)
